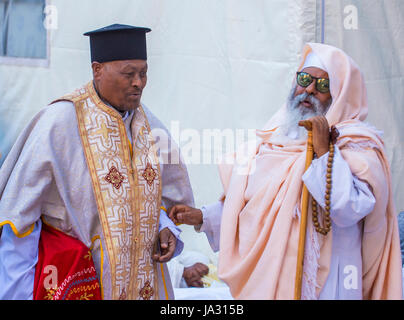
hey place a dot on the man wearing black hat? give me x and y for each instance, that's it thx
(83, 191)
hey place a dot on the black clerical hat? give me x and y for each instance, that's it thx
(118, 42)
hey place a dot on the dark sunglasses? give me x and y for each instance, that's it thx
(304, 79)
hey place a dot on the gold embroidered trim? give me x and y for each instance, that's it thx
(128, 206)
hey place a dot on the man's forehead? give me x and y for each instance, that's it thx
(129, 64)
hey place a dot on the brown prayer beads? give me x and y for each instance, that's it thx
(327, 219)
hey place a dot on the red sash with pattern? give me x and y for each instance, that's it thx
(65, 268)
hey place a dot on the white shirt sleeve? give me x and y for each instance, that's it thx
(18, 258)
(351, 198)
(176, 270)
(212, 216)
(165, 222)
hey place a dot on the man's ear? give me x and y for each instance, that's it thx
(97, 69)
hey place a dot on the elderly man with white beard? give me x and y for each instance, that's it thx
(352, 245)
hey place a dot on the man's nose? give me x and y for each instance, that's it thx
(136, 81)
(311, 89)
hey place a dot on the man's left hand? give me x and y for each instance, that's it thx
(168, 242)
(321, 135)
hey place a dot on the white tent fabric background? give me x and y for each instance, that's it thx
(218, 65)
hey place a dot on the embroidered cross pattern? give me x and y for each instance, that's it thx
(149, 174)
(114, 177)
(147, 291)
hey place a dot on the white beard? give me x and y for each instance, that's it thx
(295, 113)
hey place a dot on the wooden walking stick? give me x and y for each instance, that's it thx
(304, 211)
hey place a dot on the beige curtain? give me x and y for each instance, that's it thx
(371, 32)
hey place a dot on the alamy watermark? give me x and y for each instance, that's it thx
(207, 146)
(351, 21)
(50, 21)
(351, 280)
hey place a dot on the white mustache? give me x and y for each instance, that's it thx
(295, 112)
(318, 107)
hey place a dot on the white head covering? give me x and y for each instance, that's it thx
(312, 60)
(189, 258)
